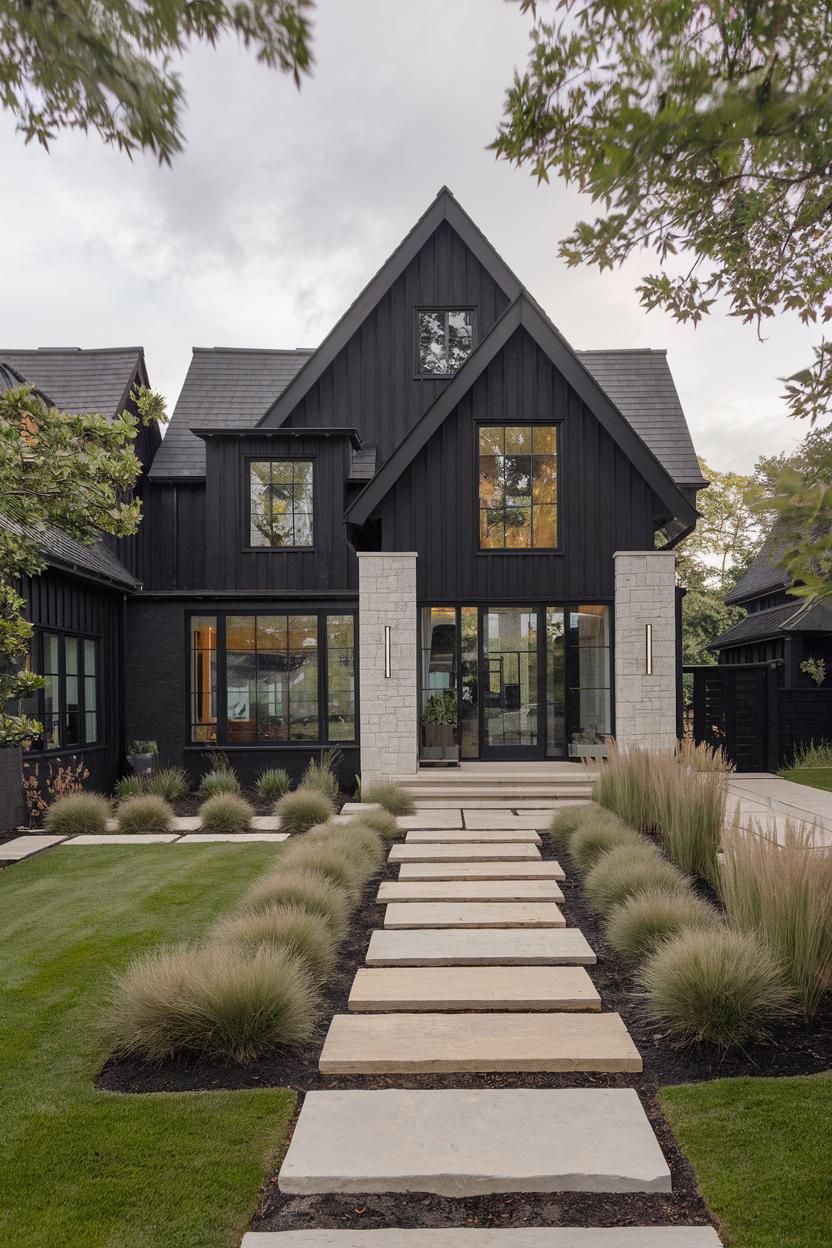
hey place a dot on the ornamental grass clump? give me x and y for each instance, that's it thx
(170, 783)
(630, 869)
(353, 840)
(391, 797)
(219, 780)
(598, 836)
(320, 777)
(690, 814)
(127, 786)
(784, 894)
(567, 820)
(300, 887)
(272, 783)
(76, 814)
(380, 821)
(625, 784)
(346, 871)
(302, 810)
(290, 928)
(214, 1000)
(718, 987)
(144, 813)
(226, 812)
(639, 924)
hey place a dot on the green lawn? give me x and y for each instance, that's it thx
(760, 1149)
(817, 777)
(87, 1169)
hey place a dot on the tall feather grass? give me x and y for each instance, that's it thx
(783, 892)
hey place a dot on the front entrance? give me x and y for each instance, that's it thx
(518, 682)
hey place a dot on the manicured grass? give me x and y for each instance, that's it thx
(760, 1149)
(87, 1169)
(816, 777)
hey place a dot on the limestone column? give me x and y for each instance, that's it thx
(645, 648)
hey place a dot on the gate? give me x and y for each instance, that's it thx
(735, 707)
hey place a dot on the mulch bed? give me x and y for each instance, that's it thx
(795, 1049)
(190, 804)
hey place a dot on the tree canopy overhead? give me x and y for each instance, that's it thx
(107, 65)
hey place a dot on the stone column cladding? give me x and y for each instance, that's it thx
(389, 708)
(645, 705)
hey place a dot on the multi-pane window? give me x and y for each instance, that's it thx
(445, 339)
(518, 482)
(67, 706)
(281, 495)
(272, 678)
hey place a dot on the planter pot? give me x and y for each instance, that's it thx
(439, 735)
(141, 762)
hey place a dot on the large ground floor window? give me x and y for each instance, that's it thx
(272, 677)
(515, 681)
(67, 705)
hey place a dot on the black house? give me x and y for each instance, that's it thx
(442, 535)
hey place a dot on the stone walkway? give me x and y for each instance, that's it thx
(26, 846)
(471, 970)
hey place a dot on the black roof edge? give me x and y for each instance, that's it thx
(283, 431)
(526, 313)
(444, 207)
(128, 584)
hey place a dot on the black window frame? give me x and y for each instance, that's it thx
(248, 460)
(36, 659)
(222, 742)
(447, 309)
(560, 440)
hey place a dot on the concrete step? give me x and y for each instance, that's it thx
(434, 988)
(466, 1237)
(495, 803)
(472, 836)
(486, 870)
(456, 1142)
(502, 792)
(501, 851)
(419, 1044)
(552, 946)
(490, 914)
(469, 890)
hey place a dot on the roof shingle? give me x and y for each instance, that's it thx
(79, 381)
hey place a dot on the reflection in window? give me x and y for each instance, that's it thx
(439, 686)
(555, 683)
(589, 681)
(272, 677)
(446, 339)
(518, 487)
(469, 719)
(67, 706)
(203, 678)
(281, 497)
(51, 717)
(340, 677)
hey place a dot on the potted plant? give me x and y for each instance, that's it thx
(142, 755)
(440, 720)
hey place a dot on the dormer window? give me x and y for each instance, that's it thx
(444, 340)
(281, 503)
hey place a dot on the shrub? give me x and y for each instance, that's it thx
(292, 928)
(628, 870)
(690, 814)
(637, 925)
(77, 813)
(221, 780)
(567, 819)
(273, 783)
(301, 810)
(721, 987)
(170, 783)
(390, 797)
(226, 812)
(380, 821)
(217, 1000)
(596, 836)
(309, 889)
(144, 813)
(353, 839)
(784, 893)
(127, 786)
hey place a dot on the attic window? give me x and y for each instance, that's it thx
(445, 339)
(281, 503)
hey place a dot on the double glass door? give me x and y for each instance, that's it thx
(511, 695)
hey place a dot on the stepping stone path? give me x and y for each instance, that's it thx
(472, 970)
(20, 847)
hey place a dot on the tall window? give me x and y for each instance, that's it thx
(281, 498)
(67, 706)
(445, 339)
(518, 472)
(589, 680)
(340, 672)
(203, 678)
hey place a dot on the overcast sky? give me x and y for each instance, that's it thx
(285, 203)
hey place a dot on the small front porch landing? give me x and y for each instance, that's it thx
(506, 786)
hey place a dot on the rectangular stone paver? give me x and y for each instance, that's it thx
(464, 853)
(488, 1237)
(205, 838)
(124, 838)
(24, 846)
(418, 1044)
(482, 820)
(469, 890)
(549, 946)
(415, 914)
(431, 819)
(456, 1142)
(465, 836)
(473, 988)
(490, 870)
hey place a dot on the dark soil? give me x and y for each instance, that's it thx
(795, 1049)
(190, 804)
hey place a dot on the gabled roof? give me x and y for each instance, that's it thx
(763, 576)
(68, 555)
(807, 616)
(81, 381)
(444, 208)
(525, 313)
(225, 389)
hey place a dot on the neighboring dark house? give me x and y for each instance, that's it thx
(78, 604)
(778, 627)
(434, 537)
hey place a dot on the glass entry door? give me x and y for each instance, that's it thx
(510, 684)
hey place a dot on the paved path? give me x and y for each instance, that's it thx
(21, 847)
(471, 970)
(773, 803)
